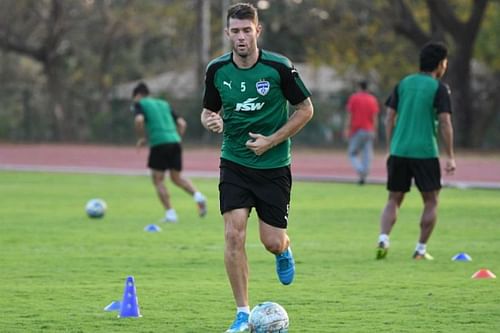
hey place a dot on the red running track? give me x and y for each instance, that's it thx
(473, 170)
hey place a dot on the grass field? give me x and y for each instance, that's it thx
(59, 269)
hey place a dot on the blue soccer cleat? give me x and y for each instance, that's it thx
(240, 324)
(285, 266)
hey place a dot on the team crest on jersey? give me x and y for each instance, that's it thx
(263, 87)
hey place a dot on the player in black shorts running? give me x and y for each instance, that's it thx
(155, 119)
(246, 98)
(417, 104)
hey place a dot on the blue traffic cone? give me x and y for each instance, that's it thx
(129, 306)
(152, 228)
(462, 256)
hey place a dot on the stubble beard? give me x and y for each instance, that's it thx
(242, 53)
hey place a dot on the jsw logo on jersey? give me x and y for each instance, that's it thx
(249, 105)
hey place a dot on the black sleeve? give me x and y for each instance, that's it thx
(393, 99)
(136, 109)
(211, 97)
(442, 100)
(292, 86)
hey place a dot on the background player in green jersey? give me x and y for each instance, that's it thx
(418, 107)
(246, 98)
(155, 119)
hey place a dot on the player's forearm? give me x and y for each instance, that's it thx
(181, 126)
(301, 116)
(388, 132)
(446, 131)
(139, 129)
(389, 127)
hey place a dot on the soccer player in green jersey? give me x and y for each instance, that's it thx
(418, 107)
(157, 121)
(246, 99)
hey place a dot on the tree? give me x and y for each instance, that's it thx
(85, 47)
(38, 30)
(445, 23)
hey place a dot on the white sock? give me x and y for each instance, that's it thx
(245, 309)
(421, 248)
(198, 197)
(384, 238)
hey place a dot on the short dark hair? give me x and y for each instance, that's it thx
(431, 55)
(242, 11)
(141, 88)
(363, 84)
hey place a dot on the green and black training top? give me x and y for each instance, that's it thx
(253, 100)
(417, 100)
(161, 120)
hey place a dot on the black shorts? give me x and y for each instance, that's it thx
(165, 156)
(268, 190)
(401, 170)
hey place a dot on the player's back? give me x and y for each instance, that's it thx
(160, 123)
(414, 133)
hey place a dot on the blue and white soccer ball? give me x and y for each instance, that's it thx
(95, 208)
(268, 317)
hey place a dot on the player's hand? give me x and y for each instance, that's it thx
(214, 123)
(259, 143)
(450, 166)
(140, 143)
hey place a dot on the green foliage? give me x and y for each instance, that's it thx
(60, 268)
(488, 44)
(90, 47)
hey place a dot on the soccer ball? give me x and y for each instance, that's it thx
(95, 208)
(268, 317)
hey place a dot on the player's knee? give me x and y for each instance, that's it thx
(157, 180)
(176, 179)
(431, 201)
(275, 245)
(235, 238)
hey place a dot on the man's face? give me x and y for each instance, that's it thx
(443, 66)
(243, 35)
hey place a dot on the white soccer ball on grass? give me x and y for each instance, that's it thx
(268, 317)
(95, 208)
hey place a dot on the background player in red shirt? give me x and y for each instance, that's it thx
(361, 128)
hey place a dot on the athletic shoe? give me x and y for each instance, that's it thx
(201, 201)
(170, 216)
(285, 266)
(381, 251)
(240, 324)
(202, 208)
(425, 256)
(168, 220)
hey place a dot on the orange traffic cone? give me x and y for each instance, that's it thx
(483, 274)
